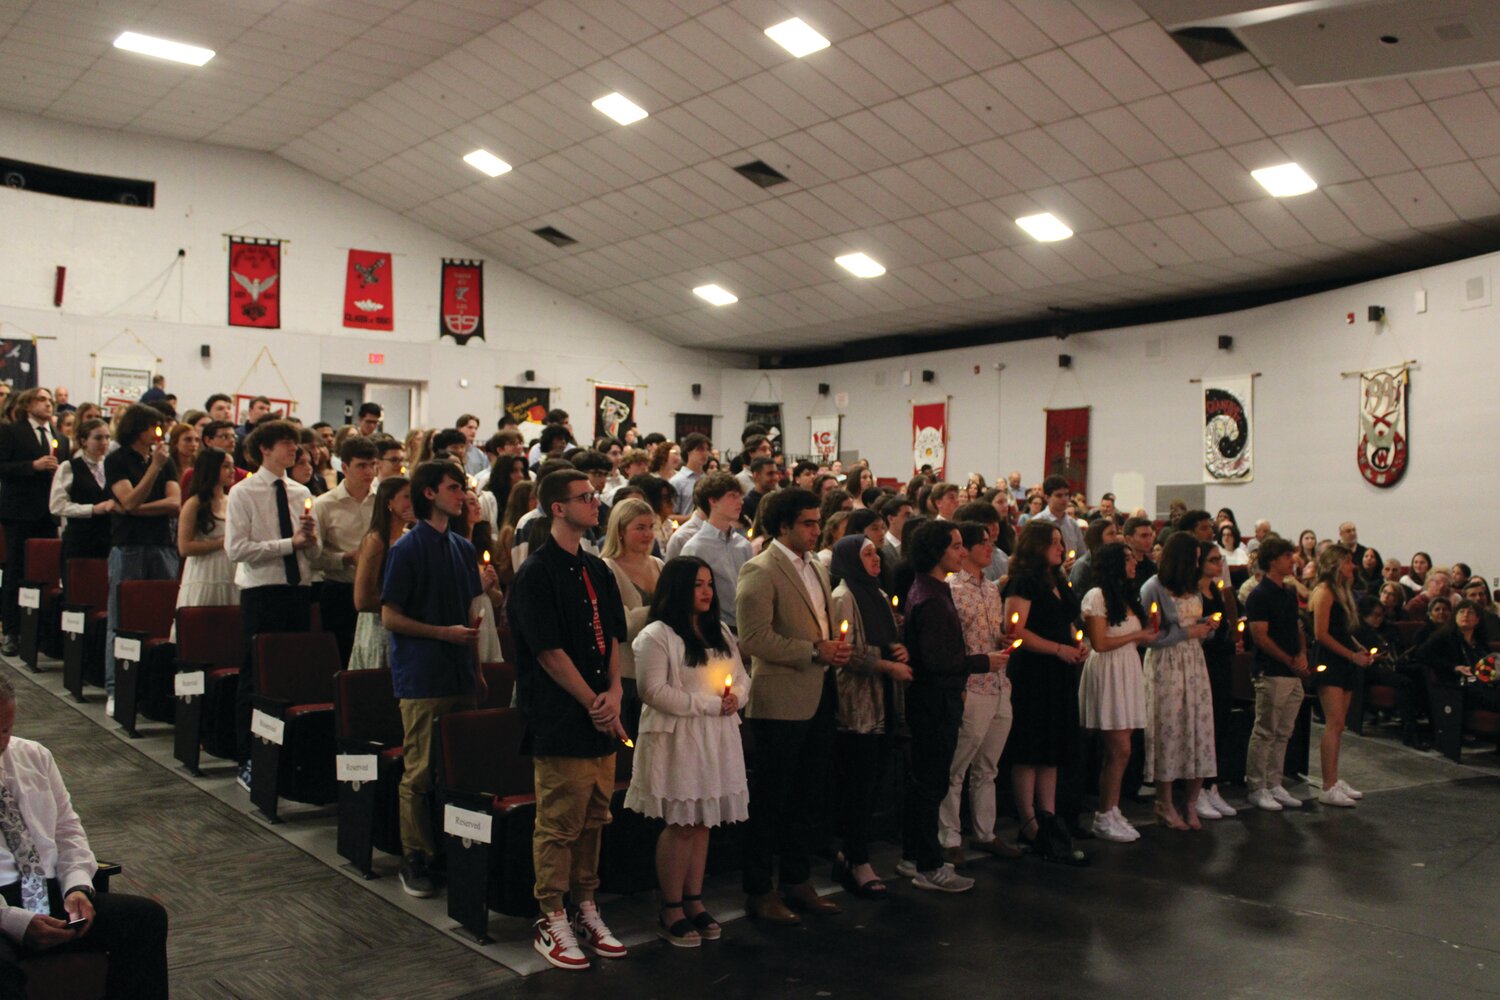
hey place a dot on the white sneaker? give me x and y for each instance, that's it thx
(1205, 809)
(1344, 787)
(1335, 797)
(594, 934)
(943, 879)
(1285, 797)
(1262, 799)
(1220, 806)
(1106, 828)
(109, 707)
(906, 869)
(1123, 825)
(554, 941)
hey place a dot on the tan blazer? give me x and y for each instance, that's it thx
(778, 627)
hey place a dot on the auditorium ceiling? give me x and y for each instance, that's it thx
(917, 136)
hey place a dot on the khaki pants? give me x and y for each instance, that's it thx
(1277, 701)
(417, 717)
(981, 740)
(572, 809)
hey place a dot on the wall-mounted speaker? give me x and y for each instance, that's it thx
(822, 388)
(1375, 314)
(1065, 361)
(529, 375)
(1226, 342)
(697, 390)
(929, 375)
(204, 351)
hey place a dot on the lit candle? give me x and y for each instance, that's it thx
(895, 601)
(1155, 617)
(158, 432)
(1220, 585)
(1078, 636)
(1241, 625)
(307, 506)
(1322, 667)
(1016, 644)
(1374, 651)
(844, 629)
(1015, 622)
(472, 482)
(1218, 616)
(53, 441)
(728, 682)
(403, 470)
(1072, 554)
(486, 557)
(628, 742)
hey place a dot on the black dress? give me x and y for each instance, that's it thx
(1044, 693)
(1341, 672)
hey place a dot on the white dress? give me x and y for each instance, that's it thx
(1112, 694)
(207, 581)
(689, 765)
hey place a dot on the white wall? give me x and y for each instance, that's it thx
(121, 277)
(1145, 416)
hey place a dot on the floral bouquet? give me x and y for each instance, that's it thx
(1485, 669)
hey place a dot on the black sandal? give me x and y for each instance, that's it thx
(707, 927)
(682, 934)
(1025, 844)
(843, 874)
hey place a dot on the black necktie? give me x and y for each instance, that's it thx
(284, 520)
(41, 433)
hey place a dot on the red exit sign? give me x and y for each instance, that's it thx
(377, 359)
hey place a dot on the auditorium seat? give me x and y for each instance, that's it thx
(39, 597)
(78, 975)
(367, 723)
(293, 748)
(209, 644)
(84, 621)
(143, 683)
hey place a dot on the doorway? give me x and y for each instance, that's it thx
(398, 401)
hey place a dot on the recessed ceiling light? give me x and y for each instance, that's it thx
(860, 265)
(796, 37)
(1285, 181)
(1045, 227)
(487, 162)
(621, 108)
(713, 293)
(161, 48)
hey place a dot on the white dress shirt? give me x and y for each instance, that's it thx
(252, 532)
(59, 502)
(684, 533)
(342, 522)
(28, 770)
(803, 567)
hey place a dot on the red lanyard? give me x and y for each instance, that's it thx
(594, 603)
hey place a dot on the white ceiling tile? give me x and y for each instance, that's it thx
(1171, 123)
(921, 130)
(987, 104)
(1137, 187)
(948, 114)
(1366, 207)
(920, 49)
(1048, 155)
(1266, 102)
(960, 36)
(1153, 50)
(1116, 71)
(1415, 198)
(889, 64)
(1068, 81)
(1084, 142)
(1212, 109)
(1368, 146)
(1424, 139)
(1029, 94)
(1473, 120)
(1383, 95)
(1233, 230)
(1465, 189)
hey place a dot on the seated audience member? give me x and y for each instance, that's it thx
(718, 542)
(1235, 552)
(1438, 584)
(689, 767)
(1416, 578)
(1367, 572)
(1458, 575)
(46, 855)
(1385, 670)
(1439, 613)
(1451, 652)
(1476, 590)
(1392, 597)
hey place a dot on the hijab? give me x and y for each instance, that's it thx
(874, 611)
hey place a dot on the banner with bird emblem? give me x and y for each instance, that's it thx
(369, 291)
(254, 282)
(462, 313)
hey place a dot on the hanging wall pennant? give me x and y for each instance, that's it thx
(1067, 450)
(768, 415)
(254, 282)
(18, 364)
(1228, 419)
(1383, 445)
(462, 313)
(614, 409)
(369, 300)
(692, 423)
(825, 438)
(526, 405)
(929, 437)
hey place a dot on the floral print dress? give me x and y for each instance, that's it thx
(1179, 706)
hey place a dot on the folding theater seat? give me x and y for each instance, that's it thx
(293, 749)
(39, 596)
(369, 733)
(84, 622)
(210, 650)
(143, 654)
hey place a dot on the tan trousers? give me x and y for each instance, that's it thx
(417, 717)
(572, 809)
(1277, 701)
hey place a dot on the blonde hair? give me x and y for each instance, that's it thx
(1330, 562)
(621, 514)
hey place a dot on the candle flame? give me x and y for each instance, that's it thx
(1322, 667)
(1221, 584)
(307, 505)
(1153, 607)
(1242, 626)
(1072, 554)
(1015, 617)
(1078, 636)
(486, 557)
(843, 628)
(1374, 651)
(629, 742)
(158, 432)
(1218, 616)
(1016, 644)
(472, 482)
(403, 470)
(728, 682)
(895, 601)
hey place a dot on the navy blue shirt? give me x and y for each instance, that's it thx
(433, 577)
(1276, 606)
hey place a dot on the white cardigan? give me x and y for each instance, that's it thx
(659, 675)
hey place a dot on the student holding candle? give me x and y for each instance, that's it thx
(389, 519)
(1280, 666)
(689, 768)
(1218, 654)
(28, 461)
(1334, 615)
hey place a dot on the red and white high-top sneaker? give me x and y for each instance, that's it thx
(554, 941)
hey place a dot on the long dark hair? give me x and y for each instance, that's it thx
(1030, 558)
(1181, 565)
(500, 484)
(380, 515)
(206, 472)
(673, 604)
(1121, 596)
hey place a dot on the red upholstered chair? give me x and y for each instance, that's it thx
(143, 681)
(367, 723)
(293, 748)
(40, 595)
(85, 619)
(210, 650)
(1408, 631)
(500, 679)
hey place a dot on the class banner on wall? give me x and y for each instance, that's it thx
(768, 415)
(526, 405)
(692, 423)
(18, 364)
(1228, 419)
(462, 313)
(1067, 449)
(929, 437)
(825, 438)
(369, 300)
(254, 280)
(1383, 445)
(122, 384)
(614, 409)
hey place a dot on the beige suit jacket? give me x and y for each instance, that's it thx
(778, 627)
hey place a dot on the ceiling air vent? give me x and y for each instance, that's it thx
(555, 236)
(1204, 45)
(761, 173)
(1452, 31)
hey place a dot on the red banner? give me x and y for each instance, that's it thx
(1067, 451)
(462, 313)
(368, 291)
(254, 276)
(929, 437)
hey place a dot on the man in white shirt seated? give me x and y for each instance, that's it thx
(47, 900)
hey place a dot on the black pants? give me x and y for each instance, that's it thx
(264, 609)
(934, 715)
(861, 766)
(788, 784)
(336, 609)
(1221, 688)
(132, 930)
(17, 533)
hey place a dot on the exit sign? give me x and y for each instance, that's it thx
(377, 359)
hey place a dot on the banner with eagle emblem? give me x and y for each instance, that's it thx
(254, 282)
(462, 312)
(1228, 420)
(929, 437)
(369, 292)
(1383, 445)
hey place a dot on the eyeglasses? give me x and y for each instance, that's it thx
(588, 496)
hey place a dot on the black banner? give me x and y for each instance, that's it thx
(525, 404)
(614, 409)
(18, 364)
(769, 416)
(462, 312)
(694, 423)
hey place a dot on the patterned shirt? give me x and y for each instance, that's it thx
(983, 616)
